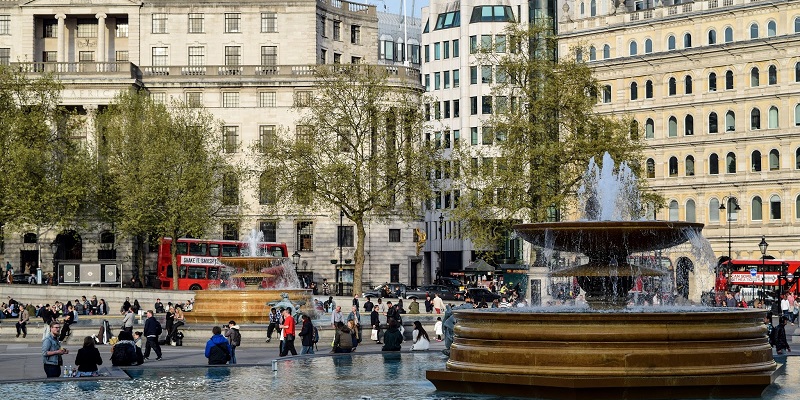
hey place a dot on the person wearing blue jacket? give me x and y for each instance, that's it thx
(218, 349)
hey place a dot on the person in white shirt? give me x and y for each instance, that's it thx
(438, 329)
(420, 337)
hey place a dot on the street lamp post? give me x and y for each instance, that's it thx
(734, 206)
(54, 249)
(441, 246)
(295, 260)
(763, 247)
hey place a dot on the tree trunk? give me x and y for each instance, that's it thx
(358, 273)
(140, 252)
(173, 251)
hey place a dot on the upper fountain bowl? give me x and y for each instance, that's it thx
(599, 238)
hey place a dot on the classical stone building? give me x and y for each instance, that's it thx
(714, 87)
(248, 63)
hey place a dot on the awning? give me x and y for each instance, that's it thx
(479, 267)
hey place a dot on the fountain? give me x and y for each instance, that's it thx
(256, 280)
(609, 350)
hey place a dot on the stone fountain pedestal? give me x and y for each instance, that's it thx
(599, 355)
(242, 306)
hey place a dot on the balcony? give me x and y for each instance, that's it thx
(66, 70)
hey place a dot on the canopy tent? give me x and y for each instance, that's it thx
(478, 267)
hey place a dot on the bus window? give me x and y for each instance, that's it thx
(182, 273)
(213, 273)
(197, 249)
(197, 272)
(169, 271)
(182, 248)
(230, 250)
(213, 250)
(276, 251)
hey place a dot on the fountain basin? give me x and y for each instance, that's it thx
(242, 306)
(609, 355)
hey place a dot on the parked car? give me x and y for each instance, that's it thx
(24, 279)
(445, 292)
(451, 282)
(482, 294)
(388, 290)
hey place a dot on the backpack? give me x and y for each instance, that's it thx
(315, 338)
(158, 329)
(236, 337)
(123, 355)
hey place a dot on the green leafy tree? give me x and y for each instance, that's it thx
(165, 168)
(543, 130)
(356, 148)
(46, 168)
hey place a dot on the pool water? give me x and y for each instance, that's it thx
(393, 376)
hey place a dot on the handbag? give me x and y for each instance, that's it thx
(374, 335)
(290, 338)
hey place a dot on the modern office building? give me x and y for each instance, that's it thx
(249, 64)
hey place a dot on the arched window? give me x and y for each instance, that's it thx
(797, 25)
(754, 77)
(648, 46)
(712, 82)
(648, 90)
(592, 53)
(733, 209)
(687, 40)
(755, 161)
(754, 31)
(673, 210)
(774, 160)
(728, 34)
(730, 121)
(634, 129)
(755, 119)
(773, 118)
(712, 37)
(775, 207)
(578, 55)
(673, 166)
(772, 29)
(797, 207)
(689, 165)
(634, 91)
(606, 52)
(687, 84)
(651, 168)
(797, 158)
(713, 125)
(713, 164)
(673, 127)
(690, 211)
(583, 9)
(688, 126)
(756, 209)
(713, 210)
(728, 80)
(593, 8)
(730, 163)
(633, 48)
(607, 94)
(672, 85)
(773, 75)
(797, 115)
(649, 129)
(670, 42)
(797, 72)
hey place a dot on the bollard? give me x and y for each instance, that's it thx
(274, 365)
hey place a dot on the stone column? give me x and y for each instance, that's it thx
(62, 33)
(101, 38)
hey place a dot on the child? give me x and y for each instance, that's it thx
(438, 329)
(137, 339)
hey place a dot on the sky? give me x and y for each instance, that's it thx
(395, 6)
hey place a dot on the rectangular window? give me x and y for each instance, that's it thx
(447, 109)
(267, 99)
(337, 30)
(323, 31)
(437, 51)
(194, 99)
(269, 55)
(427, 53)
(233, 22)
(473, 44)
(488, 136)
(230, 99)
(473, 105)
(305, 236)
(233, 55)
(303, 133)
(302, 98)
(323, 55)
(446, 50)
(486, 74)
(473, 75)
(345, 236)
(230, 138)
(456, 139)
(355, 34)
(121, 29)
(196, 23)
(49, 27)
(455, 48)
(269, 229)
(5, 24)
(160, 57)
(427, 82)
(87, 28)
(160, 23)
(197, 55)
(486, 104)
(473, 135)
(500, 43)
(446, 76)
(159, 97)
(266, 135)
(85, 56)
(456, 112)
(394, 235)
(486, 42)
(437, 81)
(456, 78)
(269, 22)
(121, 55)
(337, 58)
(230, 231)
(49, 56)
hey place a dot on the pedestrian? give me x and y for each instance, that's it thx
(307, 336)
(22, 323)
(785, 307)
(355, 301)
(354, 332)
(127, 320)
(234, 337)
(368, 306)
(438, 304)
(288, 333)
(342, 339)
(392, 339)
(438, 329)
(88, 358)
(781, 343)
(413, 308)
(428, 304)
(274, 319)
(326, 288)
(375, 322)
(52, 352)
(218, 350)
(336, 316)
(152, 330)
(420, 338)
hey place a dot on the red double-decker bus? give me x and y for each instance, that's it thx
(198, 260)
(769, 278)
